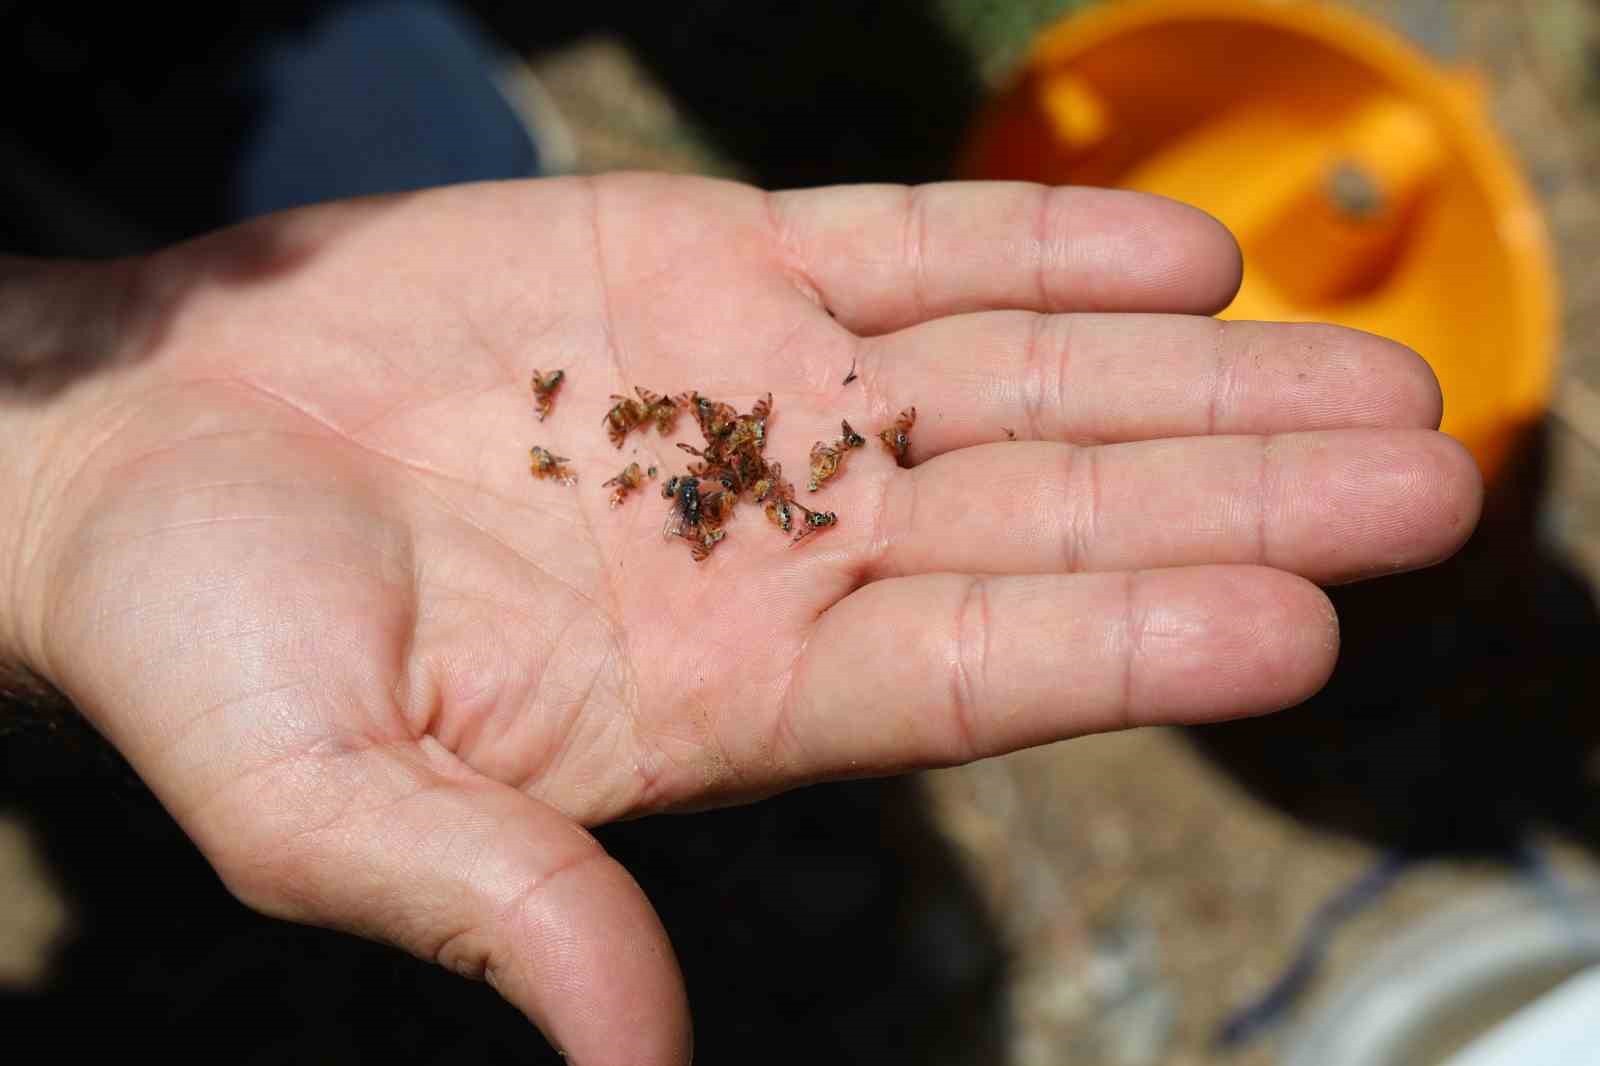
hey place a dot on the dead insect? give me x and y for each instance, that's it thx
(749, 432)
(848, 378)
(684, 492)
(708, 468)
(748, 467)
(705, 542)
(625, 414)
(828, 459)
(697, 518)
(779, 513)
(771, 483)
(716, 419)
(1011, 434)
(716, 508)
(824, 464)
(776, 492)
(546, 464)
(731, 467)
(545, 387)
(813, 521)
(662, 410)
(897, 438)
(625, 482)
(649, 408)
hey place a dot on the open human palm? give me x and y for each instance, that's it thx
(293, 563)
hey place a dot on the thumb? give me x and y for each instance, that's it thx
(480, 878)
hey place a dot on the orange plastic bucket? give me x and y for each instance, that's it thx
(1363, 181)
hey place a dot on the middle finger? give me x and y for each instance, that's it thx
(1332, 506)
(1096, 379)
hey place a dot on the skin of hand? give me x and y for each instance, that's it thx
(277, 537)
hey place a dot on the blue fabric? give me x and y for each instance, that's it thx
(373, 96)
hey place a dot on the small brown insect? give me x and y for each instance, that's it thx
(780, 513)
(897, 438)
(813, 521)
(731, 467)
(1011, 434)
(749, 432)
(716, 418)
(771, 483)
(848, 378)
(777, 493)
(824, 464)
(625, 482)
(649, 408)
(710, 469)
(625, 414)
(828, 459)
(546, 464)
(716, 508)
(545, 387)
(708, 539)
(661, 410)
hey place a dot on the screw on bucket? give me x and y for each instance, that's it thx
(1353, 191)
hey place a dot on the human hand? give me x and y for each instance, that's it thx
(285, 552)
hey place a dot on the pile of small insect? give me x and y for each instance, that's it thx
(733, 460)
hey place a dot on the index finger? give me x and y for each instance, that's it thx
(883, 257)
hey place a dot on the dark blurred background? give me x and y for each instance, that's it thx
(1105, 901)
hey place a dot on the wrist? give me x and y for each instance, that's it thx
(19, 474)
(60, 322)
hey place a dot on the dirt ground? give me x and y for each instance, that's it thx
(1132, 891)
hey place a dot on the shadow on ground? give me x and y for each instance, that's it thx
(1461, 715)
(830, 925)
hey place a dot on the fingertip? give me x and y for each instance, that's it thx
(1388, 383)
(1453, 472)
(1400, 388)
(1309, 625)
(1422, 396)
(1350, 505)
(1235, 642)
(1190, 261)
(1218, 248)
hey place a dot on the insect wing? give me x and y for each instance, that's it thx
(676, 524)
